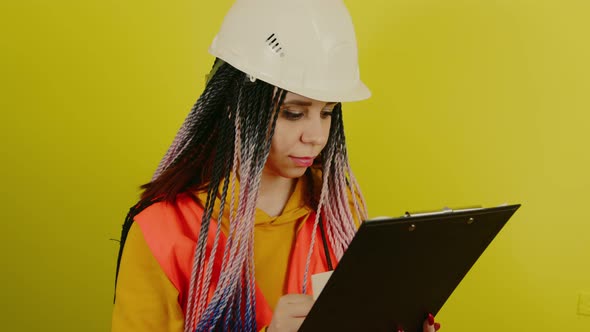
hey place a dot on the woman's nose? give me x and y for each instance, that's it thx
(313, 132)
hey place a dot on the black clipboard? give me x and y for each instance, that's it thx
(385, 279)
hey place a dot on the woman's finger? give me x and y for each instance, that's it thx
(430, 325)
(427, 327)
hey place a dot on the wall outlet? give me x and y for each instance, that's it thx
(584, 303)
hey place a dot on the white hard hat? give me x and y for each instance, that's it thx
(304, 46)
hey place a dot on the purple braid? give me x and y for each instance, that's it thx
(333, 203)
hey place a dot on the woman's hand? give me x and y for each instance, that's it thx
(292, 309)
(290, 312)
(430, 325)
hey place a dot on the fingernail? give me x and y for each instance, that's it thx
(436, 326)
(430, 319)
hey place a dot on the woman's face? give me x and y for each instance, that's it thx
(301, 132)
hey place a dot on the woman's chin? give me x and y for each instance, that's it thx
(293, 172)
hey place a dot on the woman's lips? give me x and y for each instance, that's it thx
(302, 161)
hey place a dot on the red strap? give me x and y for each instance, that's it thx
(318, 263)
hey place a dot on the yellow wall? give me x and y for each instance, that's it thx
(475, 102)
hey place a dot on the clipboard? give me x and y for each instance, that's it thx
(397, 270)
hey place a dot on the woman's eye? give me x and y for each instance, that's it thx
(326, 114)
(290, 115)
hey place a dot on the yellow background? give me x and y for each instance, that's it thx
(474, 102)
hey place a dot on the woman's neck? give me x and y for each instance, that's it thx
(274, 193)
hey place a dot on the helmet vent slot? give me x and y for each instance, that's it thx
(274, 44)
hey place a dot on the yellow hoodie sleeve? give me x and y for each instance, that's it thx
(146, 300)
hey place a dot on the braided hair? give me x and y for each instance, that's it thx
(227, 134)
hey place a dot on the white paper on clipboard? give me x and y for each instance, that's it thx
(318, 281)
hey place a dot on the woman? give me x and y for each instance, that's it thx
(255, 194)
